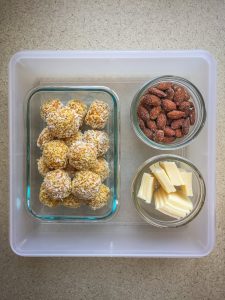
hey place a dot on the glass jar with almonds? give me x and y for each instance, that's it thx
(168, 112)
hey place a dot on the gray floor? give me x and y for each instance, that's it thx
(112, 25)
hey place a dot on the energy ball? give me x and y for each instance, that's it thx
(82, 155)
(74, 138)
(101, 198)
(44, 137)
(46, 199)
(85, 185)
(55, 154)
(49, 107)
(101, 168)
(99, 138)
(63, 123)
(42, 167)
(57, 184)
(79, 107)
(71, 202)
(97, 115)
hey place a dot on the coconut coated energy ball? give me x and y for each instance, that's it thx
(63, 123)
(49, 107)
(42, 167)
(82, 155)
(44, 137)
(101, 198)
(55, 154)
(74, 138)
(46, 199)
(71, 201)
(101, 168)
(85, 185)
(79, 107)
(57, 184)
(99, 138)
(97, 115)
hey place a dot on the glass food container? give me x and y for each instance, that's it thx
(195, 97)
(35, 125)
(148, 211)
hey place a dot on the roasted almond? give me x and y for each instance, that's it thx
(143, 113)
(163, 86)
(169, 139)
(159, 136)
(148, 133)
(169, 131)
(168, 105)
(141, 124)
(175, 114)
(161, 121)
(177, 123)
(151, 125)
(150, 100)
(154, 112)
(156, 92)
(186, 126)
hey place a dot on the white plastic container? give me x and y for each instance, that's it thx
(127, 234)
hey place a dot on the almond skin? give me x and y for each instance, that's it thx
(176, 114)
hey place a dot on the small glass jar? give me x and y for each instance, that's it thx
(148, 211)
(195, 97)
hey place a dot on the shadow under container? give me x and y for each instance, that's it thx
(35, 125)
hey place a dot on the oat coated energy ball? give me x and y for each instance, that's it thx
(82, 155)
(97, 115)
(74, 138)
(63, 123)
(55, 154)
(101, 168)
(101, 198)
(42, 167)
(46, 199)
(85, 185)
(44, 137)
(79, 107)
(99, 138)
(57, 184)
(71, 201)
(49, 107)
